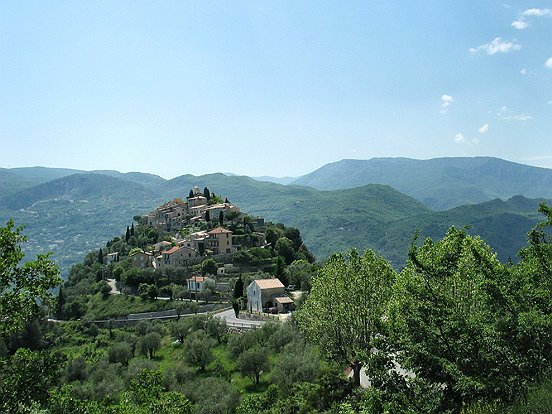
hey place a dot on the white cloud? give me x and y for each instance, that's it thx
(446, 101)
(484, 129)
(520, 24)
(538, 12)
(523, 71)
(475, 141)
(459, 138)
(505, 114)
(548, 63)
(497, 46)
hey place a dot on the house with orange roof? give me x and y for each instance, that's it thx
(197, 283)
(263, 294)
(219, 240)
(178, 256)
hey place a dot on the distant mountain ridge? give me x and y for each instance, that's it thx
(440, 183)
(77, 213)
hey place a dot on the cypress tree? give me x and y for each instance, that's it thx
(100, 256)
(132, 230)
(238, 288)
(221, 217)
(207, 193)
(226, 201)
(191, 195)
(207, 216)
(127, 235)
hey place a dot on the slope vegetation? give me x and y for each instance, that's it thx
(440, 183)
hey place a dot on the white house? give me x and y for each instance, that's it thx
(263, 294)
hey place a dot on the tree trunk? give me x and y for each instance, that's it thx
(357, 366)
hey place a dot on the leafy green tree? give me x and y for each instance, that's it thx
(294, 235)
(212, 396)
(456, 323)
(149, 343)
(272, 234)
(26, 377)
(23, 288)
(284, 248)
(198, 349)
(180, 329)
(120, 352)
(215, 328)
(76, 370)
(344, 312)
(252, 363)
(297, 363)
(209, 267)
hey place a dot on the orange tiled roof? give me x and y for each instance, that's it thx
(269, 283)
(219, 230)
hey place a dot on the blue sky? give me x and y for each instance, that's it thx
(271, 88)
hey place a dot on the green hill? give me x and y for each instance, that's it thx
(75, 214)
(440, 183)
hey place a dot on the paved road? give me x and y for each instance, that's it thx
(231, 321)
(113, 284)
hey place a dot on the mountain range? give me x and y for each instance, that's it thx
(71, 212)
(439, 183)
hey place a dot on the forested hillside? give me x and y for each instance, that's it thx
(76, 213)
(440, 183)
(456, 331)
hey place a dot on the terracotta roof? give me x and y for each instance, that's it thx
(173, 250)
(269, 283)
(219, 230)
(198, 278)
(283, 300)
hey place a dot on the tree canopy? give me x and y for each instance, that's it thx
(23, 287)
(345, 308)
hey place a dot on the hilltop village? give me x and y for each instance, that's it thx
(205, 248)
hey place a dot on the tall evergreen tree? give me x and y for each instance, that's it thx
(191, 195)
(59, 304)
(226, 201)
(127, 235)
(238, 288)
(100, 257)
(207, 193)
(207, 216)
(132, 229)
(221, 218)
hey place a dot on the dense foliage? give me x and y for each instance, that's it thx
(455, 331)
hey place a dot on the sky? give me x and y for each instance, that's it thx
(275, 88)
